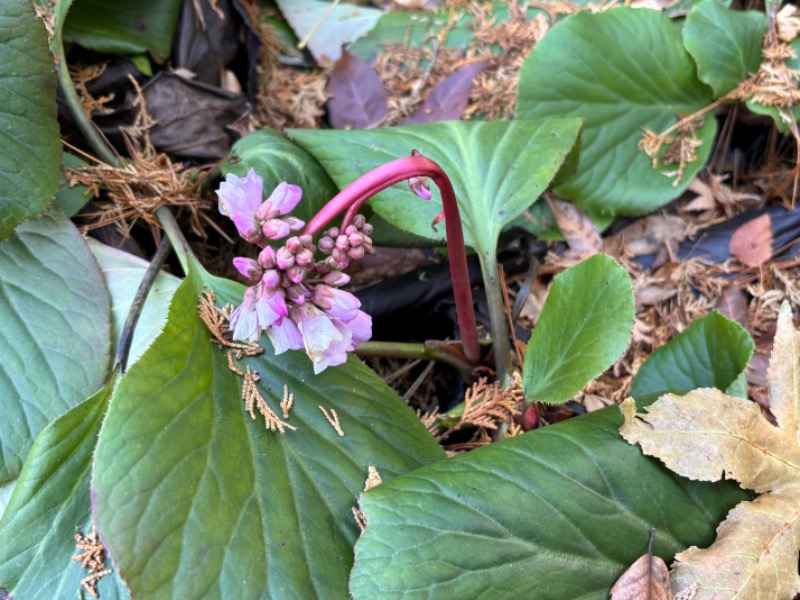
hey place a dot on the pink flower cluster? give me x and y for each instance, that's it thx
(294, 299)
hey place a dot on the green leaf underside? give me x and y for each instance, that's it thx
(277, 159)
(30, 158)
(585, 325)
(123, 273)
(621, 70)
(196, 500)
(123, 27)
(558, 513)
(497, 169)
(49, 505)
(725, 44)
(54, 333)
(711, 352)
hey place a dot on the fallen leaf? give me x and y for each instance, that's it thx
(653, 233)
(327, 28)
(707, 434)
(733, 305)
(645, 579)
(578, 230)
(751, 244)
(358, 98)
(448, 98)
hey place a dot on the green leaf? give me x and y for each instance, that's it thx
(725, 44)
(711, 352)
(71, 199)
(124, 26)
(123, 273)
(196, 500)
(621, 70)
(50, 504)
(557, 513)
(5, 493)
(277, 159)
(497, 169)
(585, 325)
(54, 334)
(30, 161)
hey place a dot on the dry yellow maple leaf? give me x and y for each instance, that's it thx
(707, 434)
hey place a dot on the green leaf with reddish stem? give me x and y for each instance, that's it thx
(497, 169)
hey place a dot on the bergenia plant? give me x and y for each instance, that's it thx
(296, 299)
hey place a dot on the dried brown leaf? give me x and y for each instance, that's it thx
(706, 435)
(448, 98)
(751, 244)
(578, 230)
(358, 98)
(645, 579)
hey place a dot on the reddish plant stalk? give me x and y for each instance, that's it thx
(362, 189)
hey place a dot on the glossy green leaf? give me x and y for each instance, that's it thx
(277, 159)
(123, 273)
(621, 70)
(585, 325)
(54, 333)
(711, 352)
(5, 493)
(30, 160)
(196, 500)
(725, 44)
(557, 513)
(497, 169)
(124, 26)
(50, 504)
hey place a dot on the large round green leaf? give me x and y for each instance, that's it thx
(585, 325)
(621, 70)
(196, 500)
(54, 333)
(277, 159)
(50, 504)
(557, 513)
(497, 169)
(725, 44)
(30, 159)
(710, 352)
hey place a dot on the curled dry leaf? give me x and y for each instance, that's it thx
(751, 244)
(707, 434)
(646, 579)
(578, 230)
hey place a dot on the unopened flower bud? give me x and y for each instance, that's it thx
(275, 229)
(304, 257)
(326, 244)
(284, 257)
(296, 273)
(266, 257)
(356, 253)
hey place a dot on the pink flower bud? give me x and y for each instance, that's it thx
(248, 267)
(304, 258)
(266, 257)
(275, 229)
(284, 257)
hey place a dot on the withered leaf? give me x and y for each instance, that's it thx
(751, 244)
(707, 434)
(448, 98)
(645, 579)
(578, 230)
(358, 98)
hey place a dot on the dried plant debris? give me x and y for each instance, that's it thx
(134, 190)
(681, 143)
(91, 559)
(373, 479)
(707, 434)
(217, 319)
(253, 399)
(486, 407)
(333, 419)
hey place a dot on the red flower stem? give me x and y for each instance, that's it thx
(353, 197)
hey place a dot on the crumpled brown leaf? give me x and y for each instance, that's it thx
(646, 579)
(707, 434)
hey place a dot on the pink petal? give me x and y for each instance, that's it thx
(285, 336)
(248, 267)
(360, 327)
(285, 197)
(240, 195)
(244, 324)
(275, 229)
